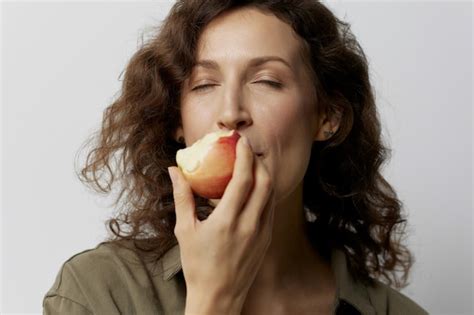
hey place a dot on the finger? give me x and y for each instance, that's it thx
(240, 184)
(183, 200)
(251, 215)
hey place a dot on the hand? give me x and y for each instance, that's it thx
(221, 255)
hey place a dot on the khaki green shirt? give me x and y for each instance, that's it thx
(111, 279)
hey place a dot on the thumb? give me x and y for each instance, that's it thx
(183, 200)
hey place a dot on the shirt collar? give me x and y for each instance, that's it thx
(349, 290)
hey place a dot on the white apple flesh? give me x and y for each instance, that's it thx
(208, 164)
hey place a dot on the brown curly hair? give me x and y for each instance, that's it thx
(356, 209)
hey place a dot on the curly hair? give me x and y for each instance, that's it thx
(356, 209)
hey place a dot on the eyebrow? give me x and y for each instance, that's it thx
(253, 63)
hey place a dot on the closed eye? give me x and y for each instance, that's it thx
(202, 87)
(273, 84)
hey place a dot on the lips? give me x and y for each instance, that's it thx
(257, 153)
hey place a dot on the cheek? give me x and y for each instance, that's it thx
(287, 125)
(288, 131)
(196, 122)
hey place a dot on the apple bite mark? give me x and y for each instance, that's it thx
(208, 164)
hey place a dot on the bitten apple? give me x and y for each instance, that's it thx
(208, 164)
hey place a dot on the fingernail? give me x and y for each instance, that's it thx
(246, 141)
(173, 176)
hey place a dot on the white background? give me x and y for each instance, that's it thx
(60, 66)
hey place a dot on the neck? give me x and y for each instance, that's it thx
(291, 263)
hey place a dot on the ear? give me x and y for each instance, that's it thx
(179, 135)
(328, 126)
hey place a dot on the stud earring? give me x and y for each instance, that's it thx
(328, 134)
(181, 139)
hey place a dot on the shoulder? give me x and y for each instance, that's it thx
(95, 279)
(67, 292)
(388, 300)
(87, 266)
(101, 262)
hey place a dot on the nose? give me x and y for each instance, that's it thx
(233, 112)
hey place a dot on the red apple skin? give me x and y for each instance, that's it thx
(215, 171)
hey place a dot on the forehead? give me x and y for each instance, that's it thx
(247, 33)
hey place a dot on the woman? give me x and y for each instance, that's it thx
(307, 224)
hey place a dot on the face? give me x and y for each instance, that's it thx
(250, 76)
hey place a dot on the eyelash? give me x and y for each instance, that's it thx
(273, 84)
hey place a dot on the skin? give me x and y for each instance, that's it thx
(281, 122)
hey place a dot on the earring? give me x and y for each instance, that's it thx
(181, 139)
(328, 134)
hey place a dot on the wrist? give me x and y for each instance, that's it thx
(212, 304)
